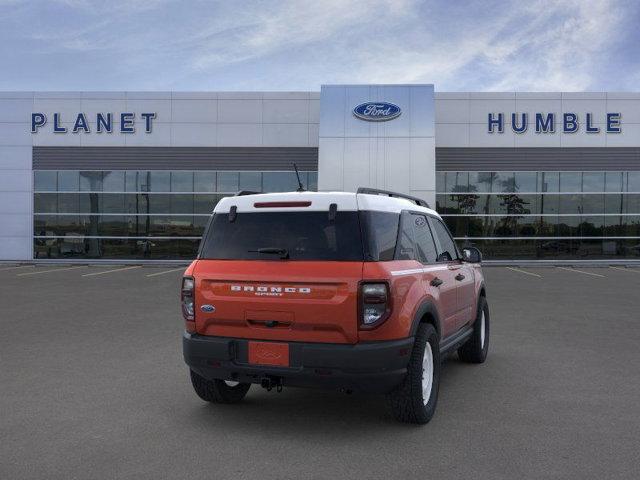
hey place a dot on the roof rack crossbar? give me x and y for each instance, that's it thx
(374, 191)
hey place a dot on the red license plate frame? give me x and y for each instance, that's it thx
(269, 353)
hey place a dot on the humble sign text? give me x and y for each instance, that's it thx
(551, 123)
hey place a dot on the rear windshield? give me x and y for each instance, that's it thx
(302, 235)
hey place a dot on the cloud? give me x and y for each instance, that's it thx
(562, 48)
(290, 24)
(294, 44)
(542, 46)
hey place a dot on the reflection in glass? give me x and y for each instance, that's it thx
(68, 203)
(480, 181)
(504, 182)
(45, 203)
(613, 203)
(113, 181)
(571, 203)
(228, 182)
(593, 181)
(279, 181)
(549, 182)
(440, 182)
(182, 203)
(45, 181)
(90, 181)
(252, 181)
(204, 181)
(158, 181)
(571, 181)
(205, 203)
(591, 226)
(141, 249)
(457, 182)
(313, 181)
(631, 203)
(633, 182)
(613, 182)
(101, 209)
(111, 203)
(592, 203)
(182, 181)
(457, 225)
(526, 182)
(520, 212)
(548, 226)
(569, 226)
(527, 226)
(68, 181)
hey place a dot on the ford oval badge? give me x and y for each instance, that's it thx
(208, 308)
(377, 111)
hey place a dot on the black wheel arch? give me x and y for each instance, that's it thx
(426, 313)
(482, 291)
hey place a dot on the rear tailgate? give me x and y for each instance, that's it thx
(304, 301)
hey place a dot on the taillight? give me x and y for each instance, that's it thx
(186, 297)
(375, 304)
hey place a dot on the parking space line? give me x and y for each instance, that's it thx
(166, 271)
(49, 271)
(522, 271)
(15, 268)
(582, 271)
(626, 269)
(111, 271)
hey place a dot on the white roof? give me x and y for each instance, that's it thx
(320, 201)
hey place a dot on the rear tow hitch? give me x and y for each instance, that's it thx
(269, 383)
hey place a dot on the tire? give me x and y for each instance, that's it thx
(476, 348)
(407, 402)
(218, 391)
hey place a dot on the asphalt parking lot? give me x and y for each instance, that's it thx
(93, 385)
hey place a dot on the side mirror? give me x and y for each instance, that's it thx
(471, 255)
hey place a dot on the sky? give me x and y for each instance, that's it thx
(283, 45)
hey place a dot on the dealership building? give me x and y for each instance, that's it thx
(135, 175)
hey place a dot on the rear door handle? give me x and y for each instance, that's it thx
(459, 277)
(436, 282)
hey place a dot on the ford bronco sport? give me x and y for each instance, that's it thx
(358, 291)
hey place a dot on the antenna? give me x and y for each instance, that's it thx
(300, 186)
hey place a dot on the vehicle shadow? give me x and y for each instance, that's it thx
(314, 411)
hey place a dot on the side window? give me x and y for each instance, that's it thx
(405, 248)
(380, 232)
(424, 241)
(447, 250)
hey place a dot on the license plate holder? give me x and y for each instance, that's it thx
(269, 353)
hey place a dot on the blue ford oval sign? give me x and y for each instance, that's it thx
(377, 111)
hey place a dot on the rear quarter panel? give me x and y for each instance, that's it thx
(405, 279)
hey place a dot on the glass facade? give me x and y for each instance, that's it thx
(543, 215)
(137, 214)
(547, 215)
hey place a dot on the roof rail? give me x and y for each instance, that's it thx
(375, 191)
(242, 193)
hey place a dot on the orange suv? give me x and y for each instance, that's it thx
(361, 291)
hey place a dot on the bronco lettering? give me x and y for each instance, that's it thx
(264, 289)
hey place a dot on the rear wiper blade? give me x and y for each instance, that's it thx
(283, 252)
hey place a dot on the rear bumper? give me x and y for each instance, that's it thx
(374, 367)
